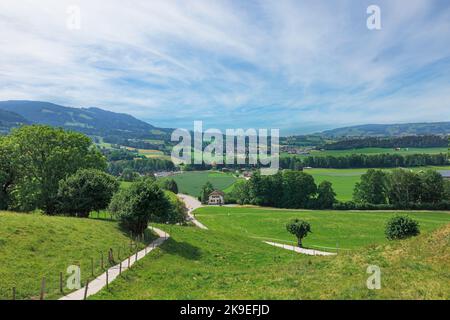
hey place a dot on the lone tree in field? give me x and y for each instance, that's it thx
(299, 228)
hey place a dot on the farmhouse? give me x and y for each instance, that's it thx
(216, 197)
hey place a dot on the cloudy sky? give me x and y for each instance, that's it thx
(301, 66)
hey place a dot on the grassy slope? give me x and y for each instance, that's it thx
(34, 246)
(222, 263)
(192, 182)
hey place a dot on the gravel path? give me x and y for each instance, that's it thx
(192, 204)
(310, 252)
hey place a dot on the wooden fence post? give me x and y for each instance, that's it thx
(107, 279)
(42, 295)
(86, 289)
(120, 268)
(61, 283)
(128, 262)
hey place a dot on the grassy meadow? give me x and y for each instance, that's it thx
(230, 261)
(33, 246)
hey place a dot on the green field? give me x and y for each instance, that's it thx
(230, 261)
(331, 229)
(34, 246)
(191, 182)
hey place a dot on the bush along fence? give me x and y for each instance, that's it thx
(79, 281)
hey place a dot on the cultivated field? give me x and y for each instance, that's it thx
(230, 261)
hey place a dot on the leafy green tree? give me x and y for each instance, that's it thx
(326, 196)
(129, 175)
(47, 155)
(9, 172)
(447, 190)
(140, 204)
(401, 227)
(432, 188)
(240, 192)
(372, 188)
(299, 228)
(170, 185)
(298, 189)
(206, 191)
(86, 191)
(404, 187)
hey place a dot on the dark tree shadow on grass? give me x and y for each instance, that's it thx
(182, 249)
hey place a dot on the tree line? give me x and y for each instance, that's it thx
(425, 141)
(377, 189)
(143, 166)
(388, 160)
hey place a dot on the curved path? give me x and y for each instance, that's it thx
(192, 204)
(99, 283)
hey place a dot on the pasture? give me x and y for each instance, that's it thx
(230, 261)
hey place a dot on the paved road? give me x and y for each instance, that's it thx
(100, 282)
(192, 204)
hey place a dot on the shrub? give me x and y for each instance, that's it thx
(401, 227)
(87, 190)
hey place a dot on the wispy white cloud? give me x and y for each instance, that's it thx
(290, 64)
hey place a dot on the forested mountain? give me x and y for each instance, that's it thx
(432, 128)
(10, 120)
(91, 121)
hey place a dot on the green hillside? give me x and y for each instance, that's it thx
(34, 246)
(230, 261)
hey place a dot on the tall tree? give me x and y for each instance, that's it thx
(404, 186)
(47, 155)
(298, 189)
(432, 188)
(325, 195)
(372, 187)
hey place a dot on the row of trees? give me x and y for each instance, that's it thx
(286, 189)
(141, 166)
(426, 141)
(364, 161)
(401, 187)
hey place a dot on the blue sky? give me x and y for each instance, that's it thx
(301, 66)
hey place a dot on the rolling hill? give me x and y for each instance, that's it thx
(10, 120)
(91, 121)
